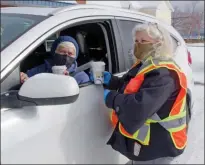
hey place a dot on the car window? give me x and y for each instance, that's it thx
(125, 28)
(95, 43)
(14, 25)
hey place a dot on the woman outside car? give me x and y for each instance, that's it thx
(148, 104)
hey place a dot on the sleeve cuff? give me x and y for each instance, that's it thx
(114, 100)
(110, 99)
(112, 83)
(28, 73)
(113, 80)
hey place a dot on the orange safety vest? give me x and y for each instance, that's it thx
(175, 123)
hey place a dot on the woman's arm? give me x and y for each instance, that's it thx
(115, 82)
(36, 70)
(81, 78)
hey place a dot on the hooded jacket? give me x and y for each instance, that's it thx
(80, 77)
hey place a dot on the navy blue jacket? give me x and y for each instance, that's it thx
(157, 94)
(80, 77)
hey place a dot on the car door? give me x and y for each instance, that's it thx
(73, 133)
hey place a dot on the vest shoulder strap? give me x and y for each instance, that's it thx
(153, 63)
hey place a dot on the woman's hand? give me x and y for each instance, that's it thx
(23, 77)
(107, 77)
(106, 91)
(66, 72)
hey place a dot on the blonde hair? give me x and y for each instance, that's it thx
(65, 45)
(162, 49)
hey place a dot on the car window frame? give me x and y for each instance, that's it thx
(126, 59)
(173, 33)
(78, 21)
(11, 81)
(19, 57)
(178, 44)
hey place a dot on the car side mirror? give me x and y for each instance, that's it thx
(49, 89)
(43, 89)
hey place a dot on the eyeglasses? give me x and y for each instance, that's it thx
(67, 53)
(142, 42)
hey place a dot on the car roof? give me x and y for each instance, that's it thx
(47, 11)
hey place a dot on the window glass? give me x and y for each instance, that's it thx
(125, 28)
(14, 25)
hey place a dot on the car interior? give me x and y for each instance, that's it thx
(91, 41)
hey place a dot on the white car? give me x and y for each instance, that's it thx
(40, 125)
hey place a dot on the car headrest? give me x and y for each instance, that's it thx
(80, 37)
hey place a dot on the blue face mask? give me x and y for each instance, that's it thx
(63, 60)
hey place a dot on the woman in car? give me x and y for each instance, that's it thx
(64, 51)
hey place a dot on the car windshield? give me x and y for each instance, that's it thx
(14, 25)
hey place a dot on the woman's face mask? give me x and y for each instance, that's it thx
(143, 45)
(141, 50)
(64, 56)
(60, 59)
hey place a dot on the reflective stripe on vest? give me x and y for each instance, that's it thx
(175, 123)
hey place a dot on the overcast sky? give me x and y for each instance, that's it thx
(184, 4)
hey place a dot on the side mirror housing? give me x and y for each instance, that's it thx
(49, 89)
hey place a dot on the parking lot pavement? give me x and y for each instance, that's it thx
(197, 53)
(194, 153)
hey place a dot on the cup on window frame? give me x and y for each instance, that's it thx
(98, 68)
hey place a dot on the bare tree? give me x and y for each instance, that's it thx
(179, 20)
(188, 21)
(193, 7)
(201, 23)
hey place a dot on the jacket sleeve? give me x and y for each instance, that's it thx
(81, 78)
(38, 69)
(116, 82)
(134, 109)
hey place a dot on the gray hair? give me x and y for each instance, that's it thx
(164, 48)
(65, 45)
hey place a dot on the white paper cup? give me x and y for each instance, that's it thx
(59, 69)
(97, 69)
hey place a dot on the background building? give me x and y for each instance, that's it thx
(160, 9)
